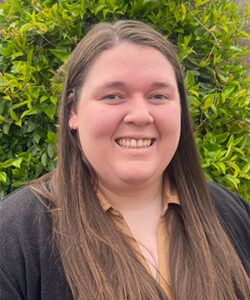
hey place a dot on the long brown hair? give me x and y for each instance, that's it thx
(97, 259)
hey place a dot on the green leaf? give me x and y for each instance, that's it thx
(231, 181)
(236, 48)
(60, 54)
(3, 177)
(12, 162)
(50, 111)
(222, 166)
(51, 137)
(220, 138)
(36, 136)
(228, 91)
(99, 8)
(200, 2)
(51, 150)
(208, 102)
(184, 10)
(53, 99)
(13, 115)
(15, 106)
(43, 98)
(26, 28)
(6, 128)
(36, 109)
(194, 93)
(246, 168)
(189, 79)
(230, 141)
(44, 159)
(228, 153)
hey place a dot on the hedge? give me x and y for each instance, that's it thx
(38, 36)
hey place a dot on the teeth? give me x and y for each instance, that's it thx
(133, 143)
(140, 143)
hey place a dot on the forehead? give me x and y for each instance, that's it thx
(129, 61)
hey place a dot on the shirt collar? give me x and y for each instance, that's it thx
(105, 204)
(170, 195)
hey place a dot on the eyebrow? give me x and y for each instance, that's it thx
(170, 87)
(161, 85)
(112, 84)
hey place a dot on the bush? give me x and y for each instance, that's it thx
(38, 36)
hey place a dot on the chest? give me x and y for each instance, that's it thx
(149, 249)
(147, 244)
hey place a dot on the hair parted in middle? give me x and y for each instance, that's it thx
(97, 259)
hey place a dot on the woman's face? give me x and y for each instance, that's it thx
(128, 115)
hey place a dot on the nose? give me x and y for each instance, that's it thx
(138, 112)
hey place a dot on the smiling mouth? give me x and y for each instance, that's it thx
(134, 143)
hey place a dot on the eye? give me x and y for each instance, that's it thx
(159, 97)
(111, 97)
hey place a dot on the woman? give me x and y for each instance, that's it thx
(127, 213)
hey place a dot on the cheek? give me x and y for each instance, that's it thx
(169, 120)
(98, 122)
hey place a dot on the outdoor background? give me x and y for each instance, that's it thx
(36, 38)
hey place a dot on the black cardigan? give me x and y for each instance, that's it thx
(30, 268)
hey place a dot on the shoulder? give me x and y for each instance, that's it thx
(24, 219)
(24, 231)
(20, 203)
(232, 210)
(234, 214)
(30, 265)
(22, 212)
(24, 225)
(226, 201)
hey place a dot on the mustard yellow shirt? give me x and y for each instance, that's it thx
(163, 237)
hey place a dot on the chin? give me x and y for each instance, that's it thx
(136, 178)
(139, 173)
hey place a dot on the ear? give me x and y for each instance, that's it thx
(73, 119)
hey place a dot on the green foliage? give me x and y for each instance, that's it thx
(38, 36)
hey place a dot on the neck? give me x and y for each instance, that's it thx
(134, 198)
